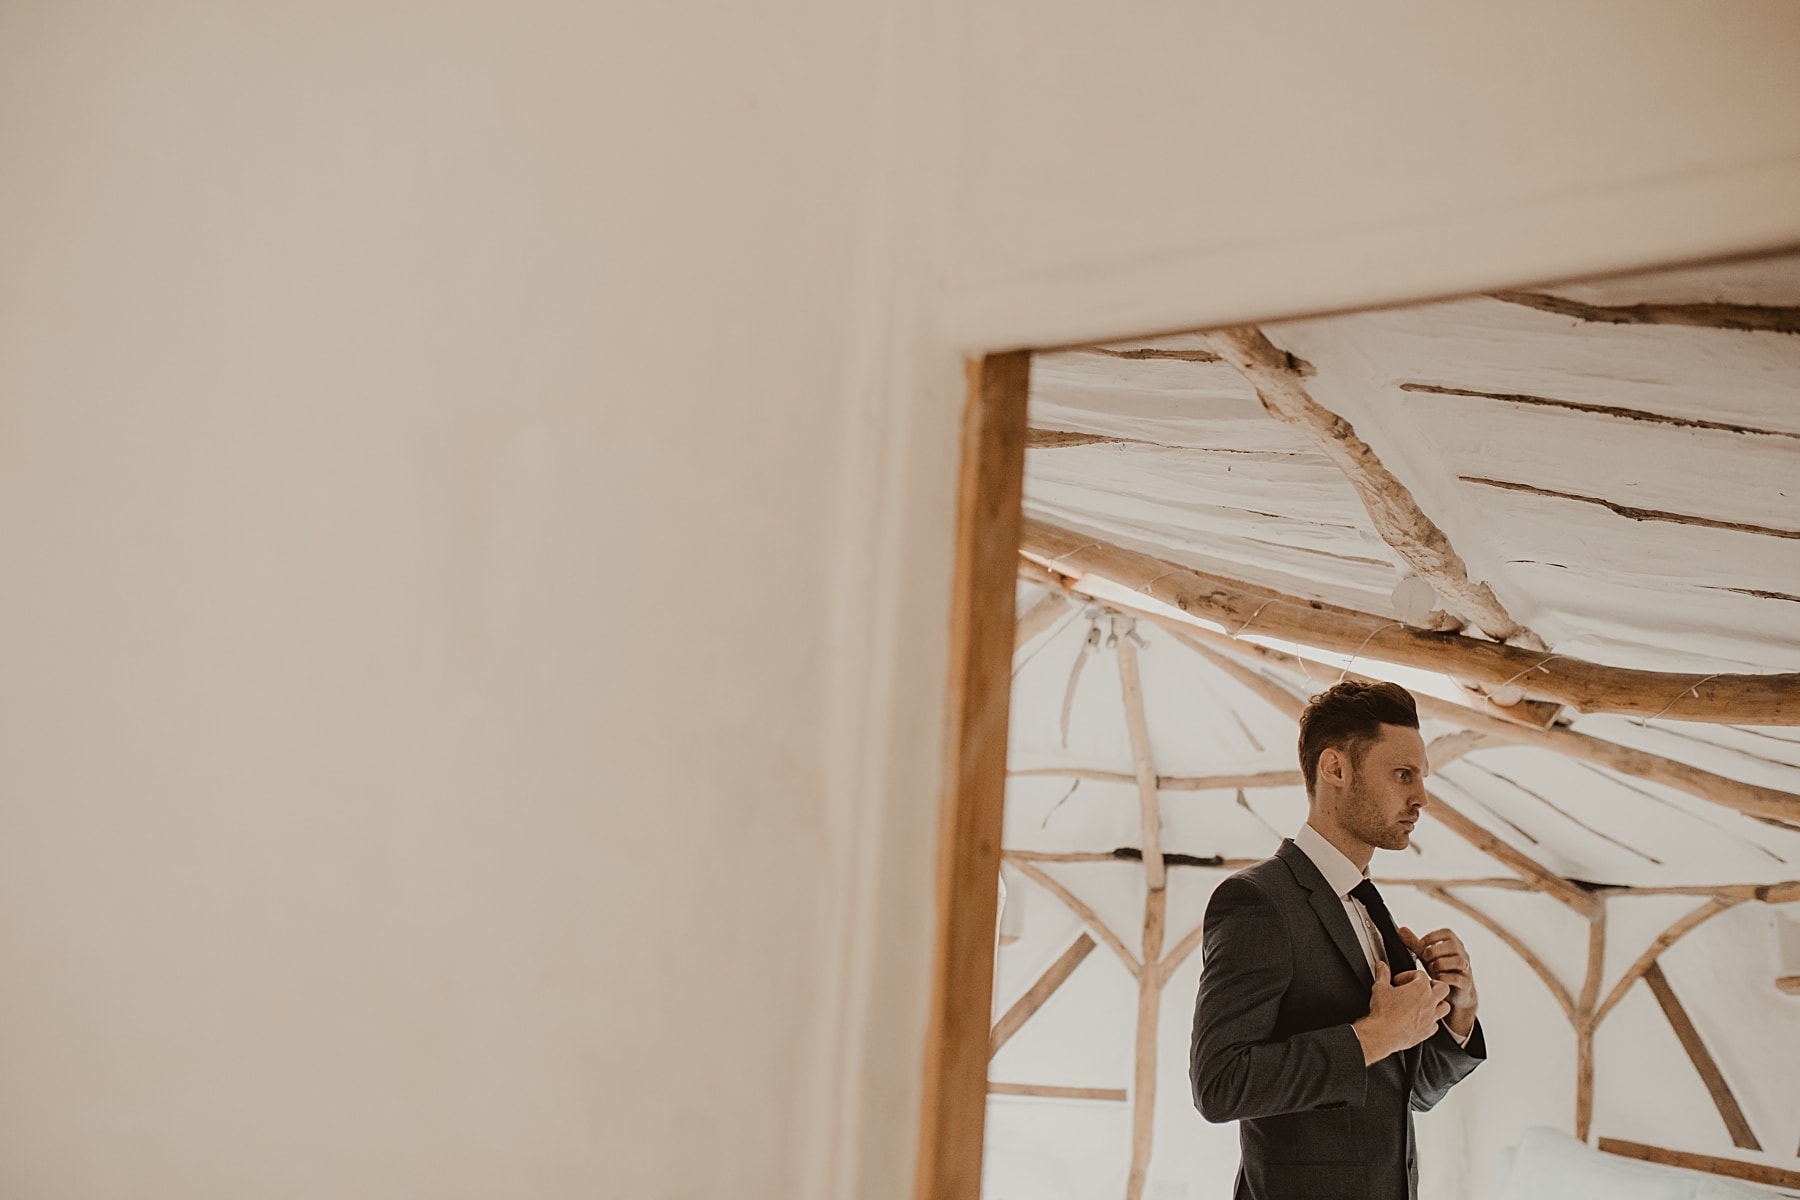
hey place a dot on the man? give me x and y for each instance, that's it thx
(1315, 1030)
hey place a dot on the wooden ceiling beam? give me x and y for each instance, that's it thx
(1771, 699)
(1402, 524)
(1749, 798)
(1532, 871)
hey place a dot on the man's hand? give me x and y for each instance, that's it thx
(1403, 1011)
(1447, 961)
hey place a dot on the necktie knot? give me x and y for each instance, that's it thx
(1394, 950)
(1370, 896)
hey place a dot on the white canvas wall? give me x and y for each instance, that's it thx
(475, 495)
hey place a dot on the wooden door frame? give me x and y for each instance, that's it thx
(988, 529)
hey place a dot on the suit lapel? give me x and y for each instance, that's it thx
(1328, 907)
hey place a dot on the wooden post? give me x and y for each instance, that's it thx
(1143, 1083)
(982, 616)
(1149, 807)
(1587, 1022)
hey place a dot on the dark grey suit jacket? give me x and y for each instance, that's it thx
(1284, 977)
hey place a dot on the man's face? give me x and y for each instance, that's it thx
(1386, 789)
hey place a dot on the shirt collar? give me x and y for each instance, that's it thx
(1339, 872)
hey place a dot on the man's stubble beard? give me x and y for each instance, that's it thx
(1363, 817)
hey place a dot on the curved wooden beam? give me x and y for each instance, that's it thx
(1772, 699)
(1075, 905)
(1558, 992)
(1668, 937)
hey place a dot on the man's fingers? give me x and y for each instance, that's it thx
(1446, 961)
(1381, 972)
(1443, 1010)
(1456, 979)
(1410, 939)
(1439, 989)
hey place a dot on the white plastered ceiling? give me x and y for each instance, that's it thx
(1630, 491)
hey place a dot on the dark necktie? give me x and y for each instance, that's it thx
(1398, 957)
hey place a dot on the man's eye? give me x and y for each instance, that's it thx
(1405, 776)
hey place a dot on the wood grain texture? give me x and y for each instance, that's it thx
(982, 612)
(1731, 1167)
(1765, 699)
(1708, 1068)
(1026, 1006)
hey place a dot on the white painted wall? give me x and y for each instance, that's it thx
(475, 497)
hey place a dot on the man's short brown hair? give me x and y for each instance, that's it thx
(1348, 716)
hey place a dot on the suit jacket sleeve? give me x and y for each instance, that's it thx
(1443, 1064)
(1238, 1067)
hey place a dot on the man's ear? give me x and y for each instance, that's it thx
(1334, 764)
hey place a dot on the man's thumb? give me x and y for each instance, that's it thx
(1381, 971)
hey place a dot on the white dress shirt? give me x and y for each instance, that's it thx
(1342, 875)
